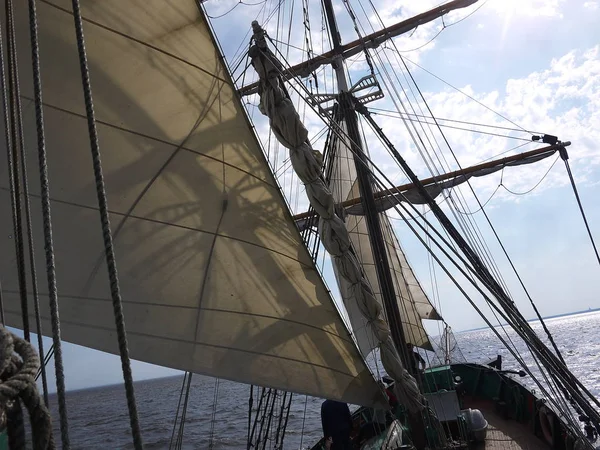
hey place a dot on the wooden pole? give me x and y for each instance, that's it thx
(370, 41)
(449, 175)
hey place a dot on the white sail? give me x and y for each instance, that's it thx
(413, 303)
(214, 275)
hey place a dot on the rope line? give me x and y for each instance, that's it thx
(187, 383)
(534, 187)
(1, 296)
(106, 230)
(178, 408)
(467, 95)
(250, 404)
(488, 133)
(503, 296)
(13, 164)
(587, 226)
(303, 421)
(240, 2)
(211, 442)
(28, 222)
(393, 113)
(47, 229)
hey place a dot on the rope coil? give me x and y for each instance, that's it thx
(19, 363)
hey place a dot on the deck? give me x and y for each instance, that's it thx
(505, 434)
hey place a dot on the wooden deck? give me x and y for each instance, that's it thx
(505, 434)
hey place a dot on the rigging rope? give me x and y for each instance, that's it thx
(303, 421)
(18, 364)
(260, 402)
(546, 355)
(1, 294)
(211, 442)
(45, 211)
(185, 386)
(179, 442)
(393, 113)
(451, 126)
(507, 302)
(513, 351)
(12, 149)
(106, 231)
(475, 237)
(47, 227)
(16, 94)
(557, 369)
(282, 427)
(341, 132)
(467, 95)
(250, 403)
(502, 185)
(240, 2)
(533, 188)
(565, 158)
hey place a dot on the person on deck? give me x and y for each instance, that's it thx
(415, 359)
(392, 400)
(337, 424)
(391, 397)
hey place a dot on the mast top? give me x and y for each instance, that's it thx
(372, 40)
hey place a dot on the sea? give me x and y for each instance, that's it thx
(217, 412)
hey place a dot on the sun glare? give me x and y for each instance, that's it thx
(509, 7)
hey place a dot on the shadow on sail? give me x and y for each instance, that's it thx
(215, 278)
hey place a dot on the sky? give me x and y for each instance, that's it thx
(536, 63)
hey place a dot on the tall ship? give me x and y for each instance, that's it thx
(171, 200)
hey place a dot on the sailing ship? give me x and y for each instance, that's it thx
(216, 276)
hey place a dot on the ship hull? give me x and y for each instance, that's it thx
(514, 416)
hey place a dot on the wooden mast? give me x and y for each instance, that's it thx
(364, 176)
(347, 112)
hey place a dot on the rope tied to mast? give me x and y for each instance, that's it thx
(275, 103)
(19, 364)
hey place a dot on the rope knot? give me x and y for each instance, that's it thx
(19, 364)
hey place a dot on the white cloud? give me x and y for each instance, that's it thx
(563, 100)
(528, 8)
(591, 5)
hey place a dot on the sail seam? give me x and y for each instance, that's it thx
(206, 344)
(201, 116)
(183, 227)
(224, 204)
(163, 305)
(153, 138)
(138, 41)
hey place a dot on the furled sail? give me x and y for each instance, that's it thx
(289, 130)
(413, 303)
(434, 188)
(214, 275)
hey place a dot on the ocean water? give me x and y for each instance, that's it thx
(98, 417)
